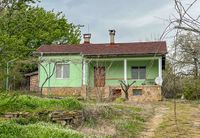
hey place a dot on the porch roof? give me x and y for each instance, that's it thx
(135, 48)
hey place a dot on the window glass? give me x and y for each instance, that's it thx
(142, 71)
(65, 70)
(62, 71)
(138, 72)
(137, 92)
(134, 72)
(58, 71)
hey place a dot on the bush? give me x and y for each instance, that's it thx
(192, 89)
(42, 130)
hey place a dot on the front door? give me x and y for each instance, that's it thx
(99, 76)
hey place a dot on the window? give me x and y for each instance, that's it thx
(62, 71)
(138, 73)
(137, 92)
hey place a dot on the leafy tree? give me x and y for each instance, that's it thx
(23, 28)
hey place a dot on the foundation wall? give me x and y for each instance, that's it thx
(146, 93)
(62, 91)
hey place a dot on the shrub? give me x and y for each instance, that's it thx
(192, 90)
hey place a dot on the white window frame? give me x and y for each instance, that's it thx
(62, 74)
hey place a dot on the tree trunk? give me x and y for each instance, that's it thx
(126, 95)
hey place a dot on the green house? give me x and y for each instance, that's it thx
(97, 69)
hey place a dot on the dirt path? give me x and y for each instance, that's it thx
(154, 122)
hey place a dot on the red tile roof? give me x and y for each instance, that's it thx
(136, 48)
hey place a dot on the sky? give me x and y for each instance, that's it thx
(133, 20)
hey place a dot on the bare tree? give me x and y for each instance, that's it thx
(182, 21)
(125, 87)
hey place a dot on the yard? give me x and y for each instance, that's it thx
(113, 119)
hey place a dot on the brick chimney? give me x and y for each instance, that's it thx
(112, 36)
(86, 38)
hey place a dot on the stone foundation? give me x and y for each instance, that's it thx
(146, 93)
(143, 93)
(62, 91)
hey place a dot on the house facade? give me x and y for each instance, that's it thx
(95, 70)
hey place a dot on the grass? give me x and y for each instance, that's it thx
(187, 114)
(129, 121)
(34, 126)
(126, 120)
(15, 102)
(37, 130)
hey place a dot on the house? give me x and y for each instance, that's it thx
(96, 69)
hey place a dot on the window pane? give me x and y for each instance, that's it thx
(134, 72)
(58, 71)
(142, 73)
(66, 71)
(137, 92)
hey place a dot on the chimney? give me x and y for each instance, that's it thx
(112, 36)
(86, 38)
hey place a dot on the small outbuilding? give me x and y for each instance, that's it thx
(33, 82)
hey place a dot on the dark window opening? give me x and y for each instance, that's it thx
(138, 72)
(116, 93)
(137, 92)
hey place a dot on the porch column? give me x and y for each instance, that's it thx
(160, 67)
(125, 70)
(84, 72)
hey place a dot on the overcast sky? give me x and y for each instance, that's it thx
(133, 20)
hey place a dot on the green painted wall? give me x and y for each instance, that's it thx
(75, 79)
(114, 70)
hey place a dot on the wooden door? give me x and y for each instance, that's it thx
(99, 76)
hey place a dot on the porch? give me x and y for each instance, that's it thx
(102, 72)
(102, 77)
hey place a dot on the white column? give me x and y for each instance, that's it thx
(84, 72)
(160, 67)
(125, 70)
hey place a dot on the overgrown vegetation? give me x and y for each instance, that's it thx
(15, 102)
(127, 121)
